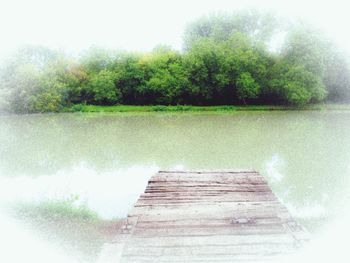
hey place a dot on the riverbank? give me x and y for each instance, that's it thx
(180, 108)
(77, 229)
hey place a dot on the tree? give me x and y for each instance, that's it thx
(96, 59)
(166, 80)
(226, 61)
(337, 76)
(48, 97)
(215, 67)
(247, 88)
(103, 89)
(36, 79)
(257, 25)
(310, 48)
(295, 85)
(243, 56)
(130, 75)
(21, 87)
(204, 63)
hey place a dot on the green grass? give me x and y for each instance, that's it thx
(188, 108)
(58, 210)
(77, 229)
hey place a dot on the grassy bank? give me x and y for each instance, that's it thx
(75, 228)
(188, 108)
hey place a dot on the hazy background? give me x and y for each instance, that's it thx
(74, 25)
(138, 24)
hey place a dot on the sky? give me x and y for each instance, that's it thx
(139, 25)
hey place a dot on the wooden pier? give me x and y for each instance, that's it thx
(226, 216)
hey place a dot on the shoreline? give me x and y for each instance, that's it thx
(188, 108)
(82, 108)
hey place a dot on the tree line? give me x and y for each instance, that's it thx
(227, 60)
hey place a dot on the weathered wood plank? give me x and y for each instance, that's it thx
(218, 240)
(208, 231)
(234, 250)
(202, 216)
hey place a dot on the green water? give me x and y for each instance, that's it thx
(106, 159)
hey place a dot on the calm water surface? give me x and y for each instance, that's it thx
(105, 159)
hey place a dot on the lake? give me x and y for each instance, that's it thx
(103, 161)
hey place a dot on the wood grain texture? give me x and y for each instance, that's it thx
(203, 216)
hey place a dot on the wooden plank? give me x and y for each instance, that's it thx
(218, 240)
(198, 171)
(203, 216)
(234, 250)
(208, 231)
(207, 178)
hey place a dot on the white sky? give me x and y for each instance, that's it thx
(141, 24)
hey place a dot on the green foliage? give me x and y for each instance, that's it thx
(131, 74)
(307, 47)
(46, 101)
(221, 26)
(296, 94)
(137, 109)
(59, 210)
(247, 88)
(22, 87)
(226, 62)
(214, 68)
(103, 89)
(96, 59)
(166, 81)
(295, 85)
(203, 66)
(36, 81)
